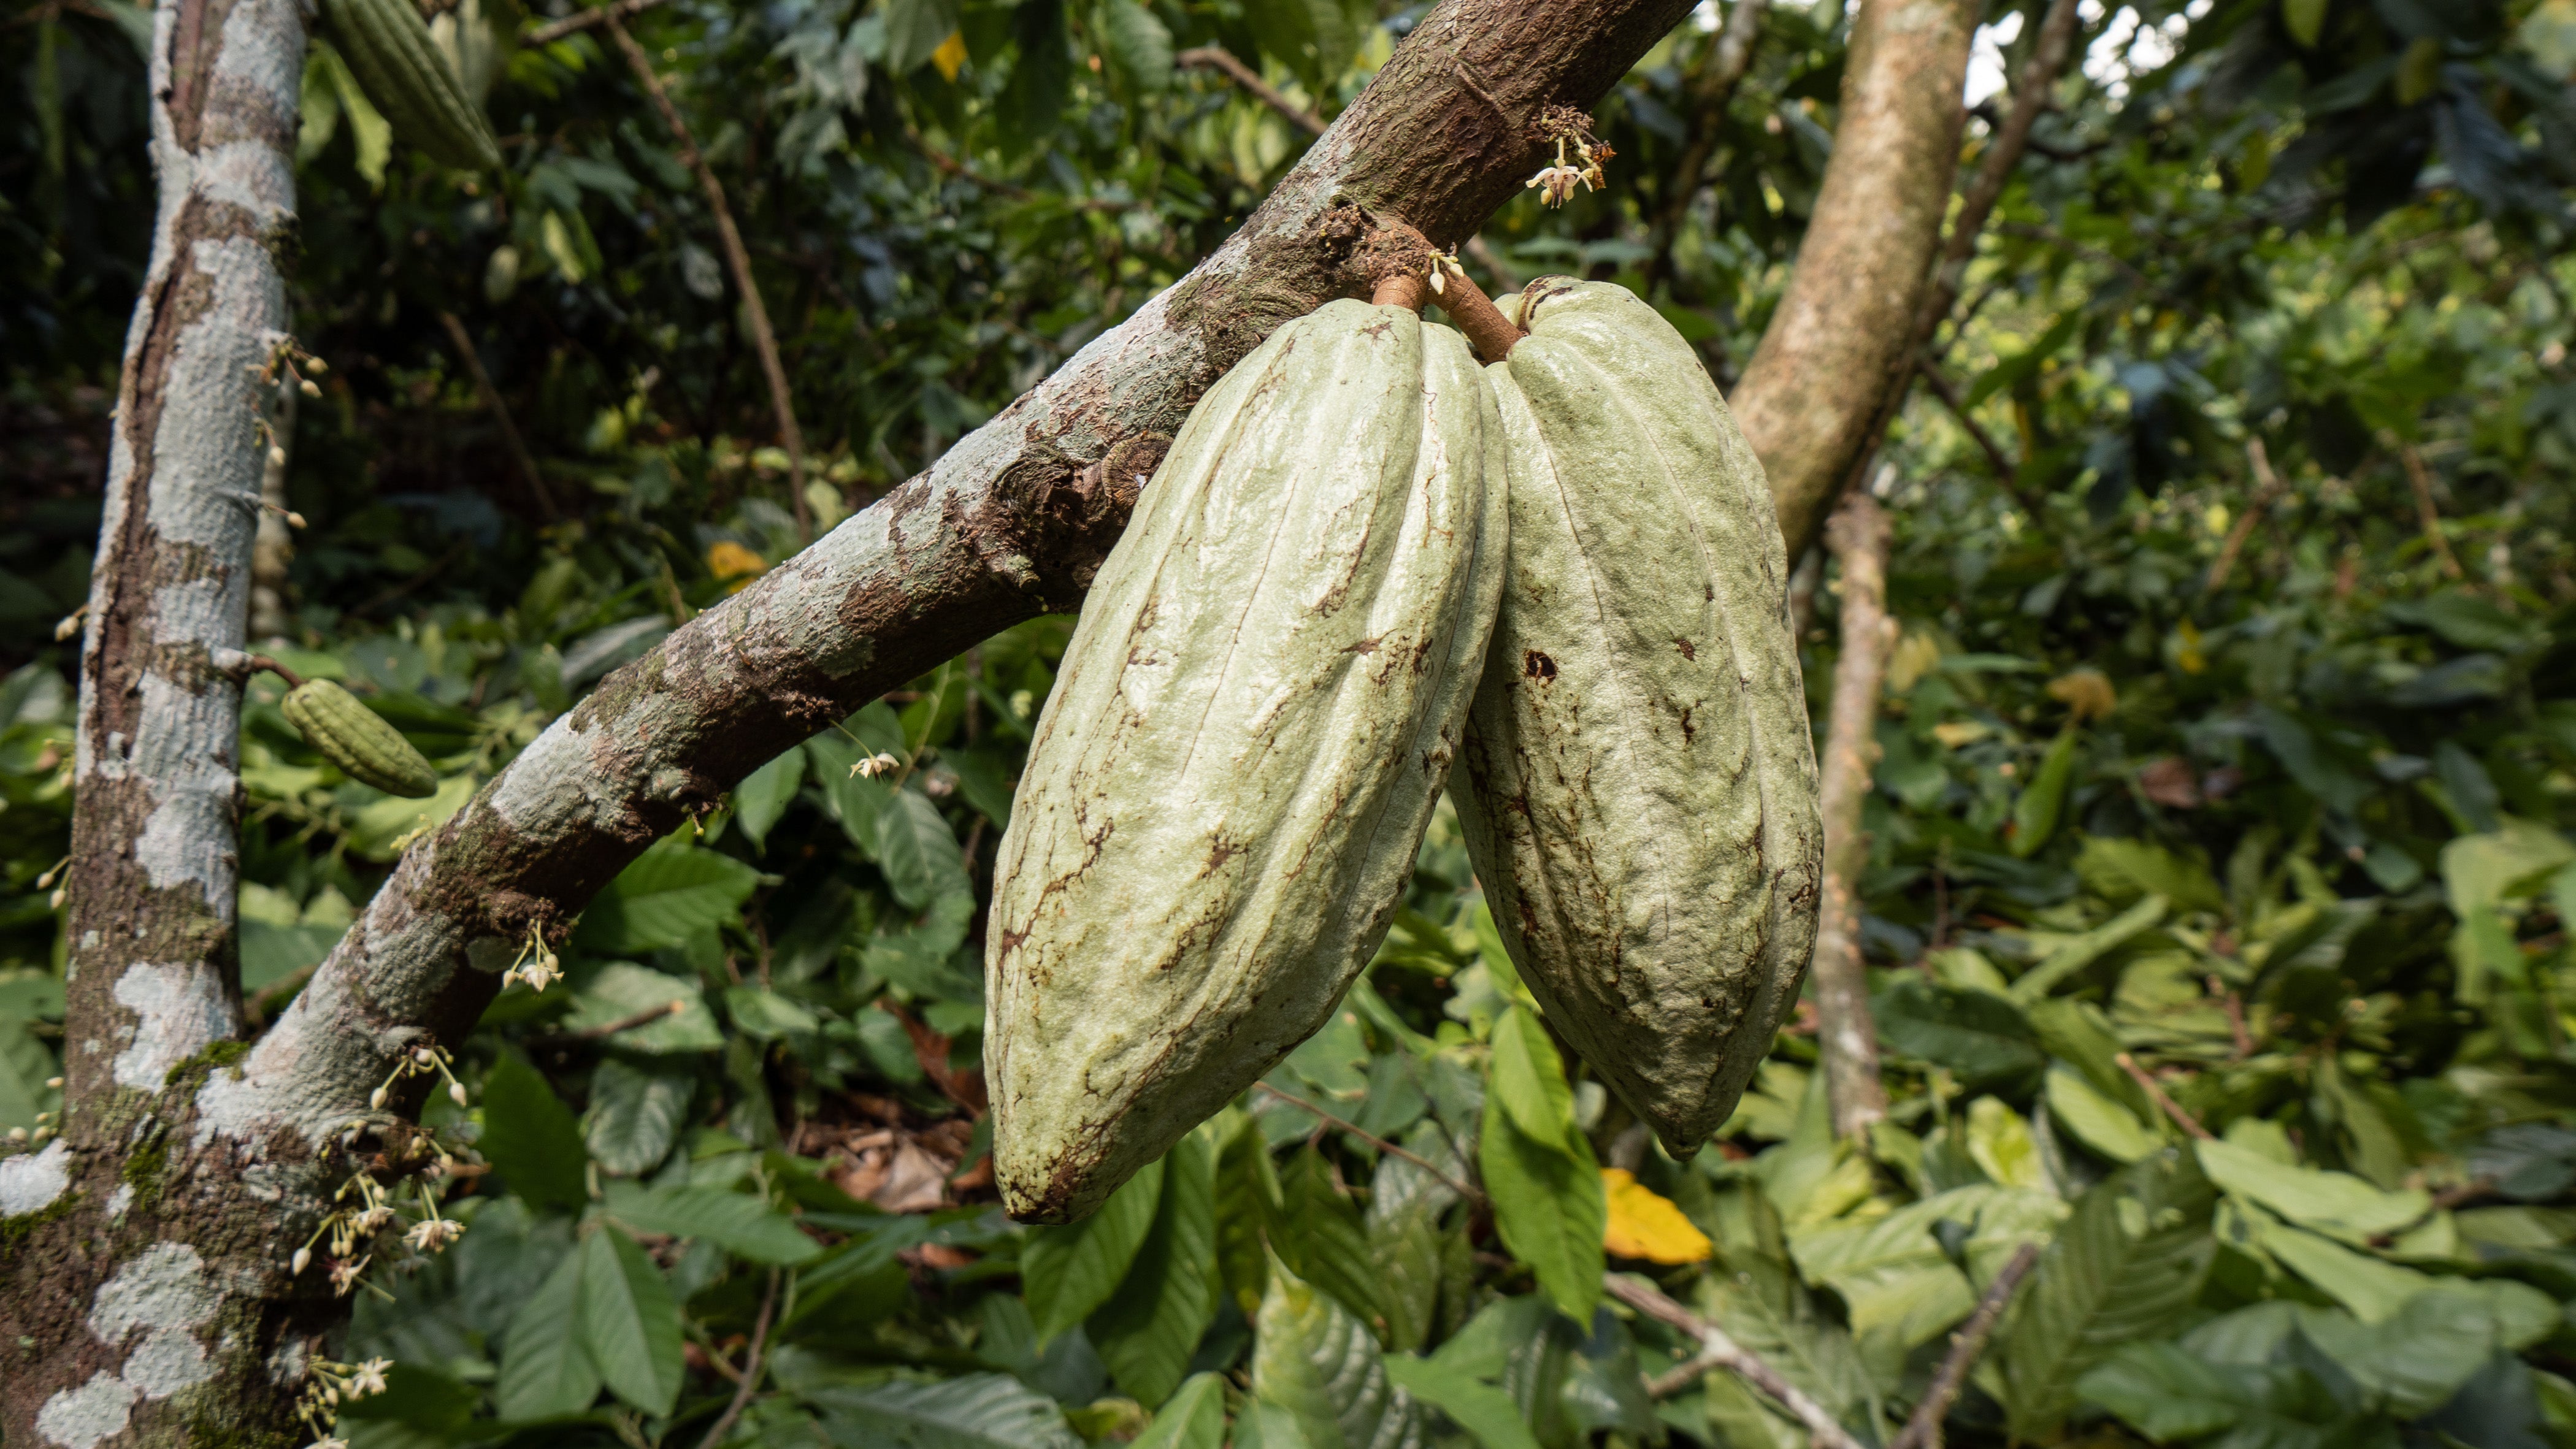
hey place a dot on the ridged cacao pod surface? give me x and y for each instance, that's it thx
(358, 740)
(1251, 725)
(1638, 786)
(397, 63)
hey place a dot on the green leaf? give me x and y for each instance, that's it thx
(2123, 870)
(1317, 1232)
(2336, 1204)
(765, 794)
(1979, 1036)
(367, 125)
(1138, 42)
(2035, 813)
(1487, 1414)
(914, 29)
(2166, 1393)
(1539, 1171)
(1313, 38)
(850, 798)
(530, 1136)
(1069, 1271)
(620, 993)
(924, 958)
(2084, 950)
(25, 1066)
(630, 1324)
(634, 1116)
(972, 1411)
(2305, 20)
(984, 778)
(1247, 1200)
(2125, 1267)
(766, 1015)
(545, 1370)
(673, 891)
(1315, 1359)
(2097, 1121)
(737, 1222)
(1150, 1327)
(1193, 1418)
(918, 852)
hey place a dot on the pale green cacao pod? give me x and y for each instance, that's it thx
(358, 740)
(1252, 723)
(1638, 787)
(397, 63)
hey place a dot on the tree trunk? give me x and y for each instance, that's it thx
(1839, 342)
(240, 1152)
(1846, 1033)
(141, 1290)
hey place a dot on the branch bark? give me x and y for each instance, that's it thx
(1833, 368)
(152, 981)
(1718, 1351)
(1846, 1032)
(782, 401)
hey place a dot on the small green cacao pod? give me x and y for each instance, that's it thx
(389, 49)
(358, 740)
(1253, 721)
(1638, 787)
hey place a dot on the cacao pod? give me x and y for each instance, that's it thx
(1252, 723)
(389, 49)
(1638, 786)
(358, 740)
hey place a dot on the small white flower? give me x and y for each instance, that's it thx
(369, 1377)
(376, 1099)
(1556, 184)
(375, 1219)
(875, 765)
(540, 973)
(434, 1234)
(344, 1276)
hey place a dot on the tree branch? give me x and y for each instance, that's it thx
(1218, 58)
(1836, 345)
(1373, 1140)
(1846, 1031)
(1721, 69)
(1923, 1429)
(2268, 487)
(1719, 1351)
(749, 1379)
(782, 402)
(555, 30)
(2420, 478)
(1012, 522)
(463, 342)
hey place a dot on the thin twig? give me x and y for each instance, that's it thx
(2156, 1094)
(554, 30)
(2422, 479)
(964, 172)
(1923, 1430)
(750, 1366)
(763, 340)
(623, 1024)
(1217, 57)
(500, 412)
(2007, 473)
(1372, 1139)
(2267, 487)
(1719, 1351)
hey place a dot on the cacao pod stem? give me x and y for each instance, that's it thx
(1492, 334)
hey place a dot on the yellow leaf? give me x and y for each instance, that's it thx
(1915, 656)
(1957, 732)
(1643, 1225)
(730, 561)
(951, 55)
(2187, 655)
(2086, 693)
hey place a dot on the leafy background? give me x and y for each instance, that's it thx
(2216, 924)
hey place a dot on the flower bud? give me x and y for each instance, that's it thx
(456, 1093)
(376, 1099)
(303, 1258)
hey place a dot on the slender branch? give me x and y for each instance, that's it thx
(1719, 1351)
(750, 1378)
(1846, 1031)
(2267, 487)
(1722, 64)
(623, 1024)
(500, 411)
(1372, 1139)
(1923, 1429)
(1218, 58)
(763, 340)
(2156, 1093)
(554, 30)
(959, 169)
(2421, 478)
(2007, 473)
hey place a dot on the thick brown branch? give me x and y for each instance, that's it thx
(782, 401)
(1846, 1032)
(1834, 350)
(1218, 58)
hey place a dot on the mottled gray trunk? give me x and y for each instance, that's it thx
(134, 1272)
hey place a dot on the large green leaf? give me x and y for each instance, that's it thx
(1150, 1327)
(1539, 1171)
(620, 993)
(1138, 42)
(545, 1365)
(2126, 1267)
(634, 1116)
(672, 892)
(850, 798)
(2035, 811)
(737, 1222)
(1317, 1232)
(630, 1324)
(530, 1136)
(1067, 1272)
(2337, 1204)
(1315, 1359)
(973, 1411)
(765, 794)
(1487, 1413)
(1192, 1418)
(918, 852)
(1979, 1036)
